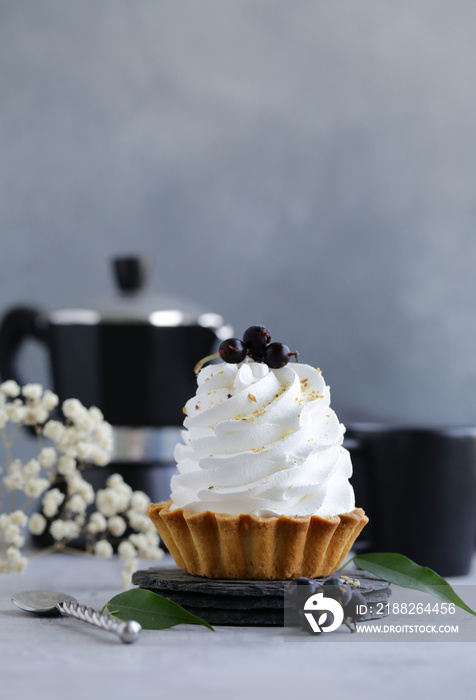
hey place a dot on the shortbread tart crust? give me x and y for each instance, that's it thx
(219, 545)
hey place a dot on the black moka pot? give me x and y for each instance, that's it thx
(133, 358)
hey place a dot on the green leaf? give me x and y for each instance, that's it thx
(398, 569)
(151, 610)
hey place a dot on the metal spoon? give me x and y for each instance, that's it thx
(50, 602)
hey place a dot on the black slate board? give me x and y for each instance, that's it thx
(240, 602)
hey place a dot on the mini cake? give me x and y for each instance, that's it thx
(262, 490)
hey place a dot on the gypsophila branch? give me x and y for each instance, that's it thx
(68, 507)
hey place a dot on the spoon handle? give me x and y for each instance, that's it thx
(128, 631)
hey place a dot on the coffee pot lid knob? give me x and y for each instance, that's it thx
(130, 273)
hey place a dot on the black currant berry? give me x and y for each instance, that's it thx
(333, 581)
(276, 355)
(255, 340)
(300, 590)
(232, 350)
(309, 582)
(335, 587)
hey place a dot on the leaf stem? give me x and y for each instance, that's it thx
(346, 563)
(201, 362)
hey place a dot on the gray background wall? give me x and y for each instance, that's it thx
(308, 165)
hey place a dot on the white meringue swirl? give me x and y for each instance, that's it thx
(262, 441)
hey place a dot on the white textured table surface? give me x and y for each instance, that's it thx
(56, 657)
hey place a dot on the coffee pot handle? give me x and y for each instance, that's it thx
(18, 325)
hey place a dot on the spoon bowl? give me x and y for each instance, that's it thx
(41, 602)
(52, 602)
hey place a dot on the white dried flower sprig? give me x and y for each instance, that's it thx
(118, 515)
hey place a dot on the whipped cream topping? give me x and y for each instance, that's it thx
(262, 441)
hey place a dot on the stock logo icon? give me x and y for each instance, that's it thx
(323, 614)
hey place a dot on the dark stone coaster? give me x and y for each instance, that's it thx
(174, 579)
(198, 600)
(242, 602)
(243, 618)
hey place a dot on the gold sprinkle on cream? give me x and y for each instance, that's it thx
(251, 397)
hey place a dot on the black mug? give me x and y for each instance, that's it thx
(418, 487)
